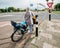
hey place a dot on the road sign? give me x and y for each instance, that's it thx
(31, 5)
(50, 4)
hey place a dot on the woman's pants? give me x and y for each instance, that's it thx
(30, 28)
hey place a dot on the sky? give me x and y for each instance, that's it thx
(24, 3)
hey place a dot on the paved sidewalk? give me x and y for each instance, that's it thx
(49, 36)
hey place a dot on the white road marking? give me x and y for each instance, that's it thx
(5, 25)
(6, 15)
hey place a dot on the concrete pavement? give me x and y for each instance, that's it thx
(49, 32)
(49, 36)
(5, 32)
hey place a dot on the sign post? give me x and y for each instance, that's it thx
(36, 26)
(50, 7)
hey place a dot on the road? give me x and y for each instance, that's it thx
(20, 16)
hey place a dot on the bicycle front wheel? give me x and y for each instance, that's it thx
(16, 36)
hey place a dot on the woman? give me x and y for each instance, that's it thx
(28, 18)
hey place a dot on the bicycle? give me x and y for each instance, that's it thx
(19, 30)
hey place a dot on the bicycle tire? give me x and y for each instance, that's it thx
(12, 37)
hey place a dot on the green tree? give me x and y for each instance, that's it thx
(11, 9)
(18, 10)
(47, 0)
(57, 7)
(2, 10)
(35, 9)
(6, 9)
(23, 10)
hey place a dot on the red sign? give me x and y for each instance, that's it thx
(50, 4)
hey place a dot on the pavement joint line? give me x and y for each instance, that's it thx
(4, 43)
(34, 41)
(49, 36)
(35, 45)
(57, 31)
(4, 38)
(49, 45)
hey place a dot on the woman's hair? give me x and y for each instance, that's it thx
(27, 9)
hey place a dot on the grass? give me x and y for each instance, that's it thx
(56, 12)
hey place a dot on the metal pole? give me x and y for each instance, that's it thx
(37, 6)
(49, 14)
(37, 21)
(36, 27)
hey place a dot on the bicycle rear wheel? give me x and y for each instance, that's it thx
(16, 36)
